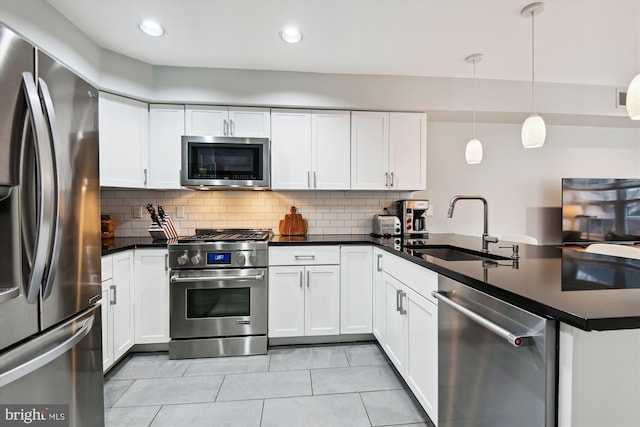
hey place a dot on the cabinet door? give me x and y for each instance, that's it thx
(330, 142)
(122, 303)
(250, 122)
(107, 326)
(290, 149)
(207, 120)
(151, 296)
(379, 300)
(166, 127)
(408, 151)
(422, 358)
(286, 301)
(356, 290)
(322, 300)
(369, 150)
(124, 140)
(396, 330)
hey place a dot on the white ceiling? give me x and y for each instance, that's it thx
(577, 41)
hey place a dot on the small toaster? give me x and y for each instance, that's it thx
(386, 225)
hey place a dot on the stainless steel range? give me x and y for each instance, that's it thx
(218, 294)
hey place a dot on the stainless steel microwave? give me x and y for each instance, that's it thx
(210, 163)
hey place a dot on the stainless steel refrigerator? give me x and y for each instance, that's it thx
(50, 287)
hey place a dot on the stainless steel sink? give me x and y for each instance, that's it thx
(453, 253)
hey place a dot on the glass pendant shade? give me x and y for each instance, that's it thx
(473, 152)
(633, 98)
(533, 132)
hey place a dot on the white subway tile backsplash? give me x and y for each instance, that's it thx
(327, 212)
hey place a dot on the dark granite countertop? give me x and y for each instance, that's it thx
(119, 244)
(588, 291)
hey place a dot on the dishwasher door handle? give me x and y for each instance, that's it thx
(513, 339)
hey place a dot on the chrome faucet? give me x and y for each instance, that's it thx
(486, 239)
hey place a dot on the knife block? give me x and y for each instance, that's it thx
(165, 231)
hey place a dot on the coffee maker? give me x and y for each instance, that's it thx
(412, 214)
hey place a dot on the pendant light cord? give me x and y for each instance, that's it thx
(533, 59)
(474, 99)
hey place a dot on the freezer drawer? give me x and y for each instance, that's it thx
(62, 366)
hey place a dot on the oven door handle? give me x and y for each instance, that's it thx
(175, 279)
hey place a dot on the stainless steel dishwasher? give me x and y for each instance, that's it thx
(496, 362)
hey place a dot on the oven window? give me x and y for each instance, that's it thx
(203, 303)
(225, 161)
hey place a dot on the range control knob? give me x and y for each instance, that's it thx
(253, 258)
(196, 259)
(241, 259)
(183, 259)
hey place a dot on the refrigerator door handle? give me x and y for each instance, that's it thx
(26, 368)
(50, 116)
(44, 161)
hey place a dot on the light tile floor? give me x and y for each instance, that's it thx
(340, 385)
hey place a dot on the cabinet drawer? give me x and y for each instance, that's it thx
(107, 267)
(418, 278)
(304, 255)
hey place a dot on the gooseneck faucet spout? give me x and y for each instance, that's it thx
(486, 239)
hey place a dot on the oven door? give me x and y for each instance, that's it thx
(225, 162)
(218, 303)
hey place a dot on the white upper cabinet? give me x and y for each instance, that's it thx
(207, 120)
(388, 151)
(124, 141)
(166, 127)
(310, 149)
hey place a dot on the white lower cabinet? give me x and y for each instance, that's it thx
(356, 290)
(117, 306)
(151, 296)
(406, 324)
(304, 291)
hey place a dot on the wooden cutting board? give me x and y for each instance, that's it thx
(293, 224)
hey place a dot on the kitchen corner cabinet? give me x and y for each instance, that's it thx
(124, 141)
(304, 291)
(210, 120)
(410, 329)
(310, 149)
(117, 306)
(166, 127)
(151, 296)
(356, 290)
(388, 151)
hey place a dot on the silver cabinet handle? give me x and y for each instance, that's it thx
(175, 279)
(402, 309)
(50, 116)
(9, 293)
(513, 339)
(146, 173)
(391, 179)
(305, 257)
(33, 364)
(166, 262)
(308, 278)
(398, 294)
(232, 128)
(379, 262)
(386, 179)
(309, 179)
(301, 279)
(112, 288)
(225, 127)
(48, 210)
(315, 180)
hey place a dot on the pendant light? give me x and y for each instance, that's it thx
(633, 98)
(473, 152)
(533, 129)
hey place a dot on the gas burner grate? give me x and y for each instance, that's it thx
(227, 236)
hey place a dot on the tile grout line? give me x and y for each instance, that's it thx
(365, 408)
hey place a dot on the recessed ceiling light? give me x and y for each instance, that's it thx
(291, 35)
(152, 28)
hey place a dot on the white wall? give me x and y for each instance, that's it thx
(520, 185)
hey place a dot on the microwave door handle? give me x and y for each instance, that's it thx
(54, 237)
(44, 190)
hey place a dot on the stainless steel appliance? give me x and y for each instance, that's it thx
(218, 294)
(225, 162)
(412, 214)
(386, 225)
(496, 362)
(50, 289)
